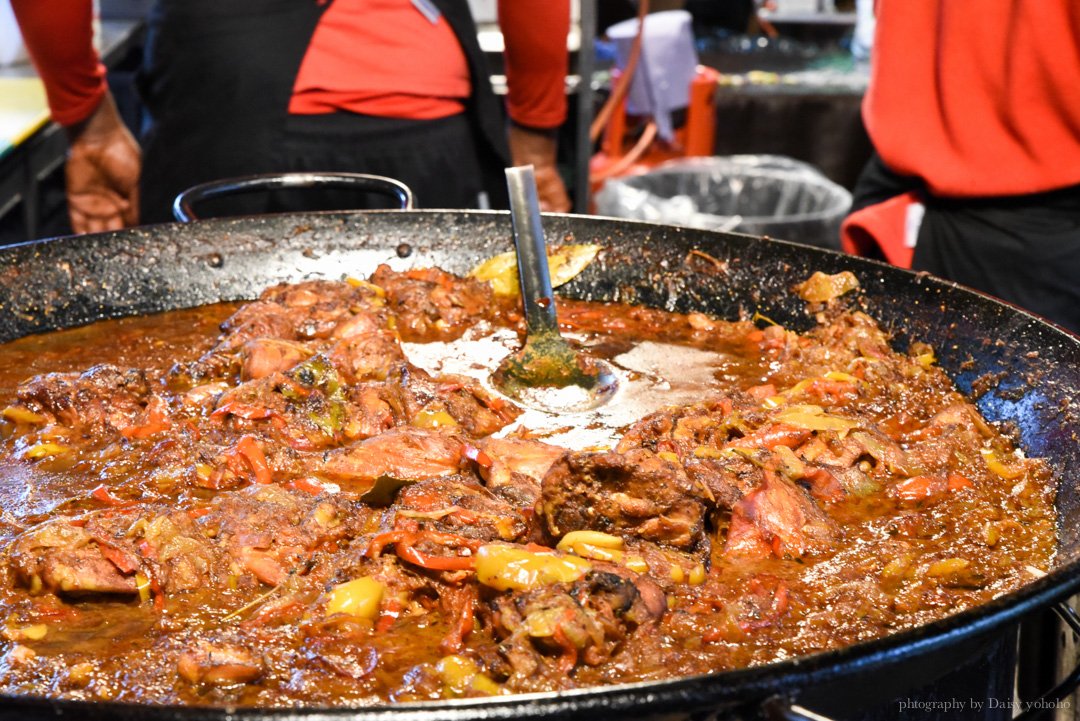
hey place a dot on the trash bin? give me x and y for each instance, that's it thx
(757, 194)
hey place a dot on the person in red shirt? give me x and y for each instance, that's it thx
(390, 87)
(974, 116)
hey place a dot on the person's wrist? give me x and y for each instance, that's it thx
(550, 133)
(100, 125)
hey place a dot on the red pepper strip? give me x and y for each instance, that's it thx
(391, 611)
(104, 495)
(462, 625)
(761, 392)
(712, 635)
(957, 482)
(918, 488)
(477, 456)
(159, 595)
(249, 448)
(156, 421)
(117, 558)
(537, 548)
(568, 657)
(435, 563)
(404, 541)
(307, 485)
(241, 410)
(381, 540)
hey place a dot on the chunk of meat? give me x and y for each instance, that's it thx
(309, 407)
(515, 467)
(564, 625)
(323, 308)
(459, 506)
(63, 558)
(367, 356)
(430, 304)
(779, 514)
(476, 411)
(265, 356)
(684, 428)
(402, 453)
(259, 319)
(219, 664)
(102, 398)
(289, 314)
(635, 493)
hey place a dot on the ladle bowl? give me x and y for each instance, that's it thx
(547, 372)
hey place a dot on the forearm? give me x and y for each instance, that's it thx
(59, 37)
(537, 60)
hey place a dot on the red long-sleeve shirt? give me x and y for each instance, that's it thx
(59, 38)
(978, 98)
(340, 72)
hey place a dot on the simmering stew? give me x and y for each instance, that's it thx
(317, 498)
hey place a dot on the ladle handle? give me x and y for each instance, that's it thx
(533, 274)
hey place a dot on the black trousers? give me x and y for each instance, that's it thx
(1023, 249)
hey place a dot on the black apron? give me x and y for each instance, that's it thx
(1024, 249)
(216, 83)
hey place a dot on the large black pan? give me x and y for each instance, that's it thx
(1030, 375)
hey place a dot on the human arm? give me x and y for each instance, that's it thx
(536, 65)
(104, 161)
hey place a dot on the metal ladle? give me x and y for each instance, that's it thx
(546, 373)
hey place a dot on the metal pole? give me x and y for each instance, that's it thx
(585, 65)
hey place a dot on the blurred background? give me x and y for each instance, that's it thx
(763, 96)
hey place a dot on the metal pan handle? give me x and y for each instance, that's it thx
(183, 206)
(779, 708)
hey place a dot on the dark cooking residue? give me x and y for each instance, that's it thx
(328, 504)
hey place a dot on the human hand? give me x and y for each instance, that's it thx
(102, 172)
(538, 148)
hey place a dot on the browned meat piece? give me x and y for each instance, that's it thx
(250, 322)
(265, 356)
(102, 398)
(219, 664)
(514, 467)
(367, 356)
(635, 493)
(259, 319)
(431, 304)
(851, 463)
(570, 624)
(401, 453)
(780, 515)
(685, 428)
(477, 412)
(459, 506)
(371, 411)
(63, 558)
(724, 481)
(177, 553)
(309, 406)
(270, 531)
(318, 308)
(314, 310)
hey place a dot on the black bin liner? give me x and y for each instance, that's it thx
(767, 195)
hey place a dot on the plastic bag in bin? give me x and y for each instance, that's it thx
(757, 194)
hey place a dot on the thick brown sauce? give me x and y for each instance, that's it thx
(896, 563)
